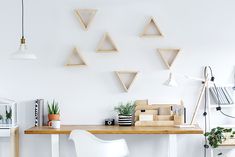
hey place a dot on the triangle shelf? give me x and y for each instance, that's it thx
(127, 78)
(75, 59)
(169, 56)
(153, 27)
(85, 17)
(106, 45)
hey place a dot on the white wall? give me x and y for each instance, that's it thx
(203, 29)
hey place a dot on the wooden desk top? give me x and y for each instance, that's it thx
(101, 129)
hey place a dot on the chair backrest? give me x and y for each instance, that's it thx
(87, 145)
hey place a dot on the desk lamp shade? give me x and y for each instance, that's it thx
(171, 82)
(23, 52)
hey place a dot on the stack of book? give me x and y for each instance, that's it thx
(224, 94)
(39, 113)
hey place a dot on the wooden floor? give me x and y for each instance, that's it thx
(101, 129)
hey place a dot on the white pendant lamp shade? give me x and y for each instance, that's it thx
(171, 82)
(23, 53)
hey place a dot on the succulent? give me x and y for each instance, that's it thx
(53, 108)
(125, 108)
(8, 113)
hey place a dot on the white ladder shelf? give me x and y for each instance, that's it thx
(210, 119)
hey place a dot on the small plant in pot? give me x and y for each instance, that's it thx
(53, 111)
(125, 112)
(219, 135)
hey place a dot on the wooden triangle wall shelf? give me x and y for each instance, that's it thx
(106, 45)
(151, 29)
(169, 56)
(85, 17)
(75, 59)
(127, 78)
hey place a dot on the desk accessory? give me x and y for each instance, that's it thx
(53, 112)
(125, 111)
(23, 52)
(109, 121)
(161, 114)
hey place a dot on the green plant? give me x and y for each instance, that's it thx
(53, 108)
(125, 108)
(1, 117)
(217, 135)
(8, 113)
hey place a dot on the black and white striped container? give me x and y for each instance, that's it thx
(125, 120)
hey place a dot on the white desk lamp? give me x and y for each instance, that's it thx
(173, 83)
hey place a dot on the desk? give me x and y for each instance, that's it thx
(99, 129)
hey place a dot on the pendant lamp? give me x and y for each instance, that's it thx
(23, 52)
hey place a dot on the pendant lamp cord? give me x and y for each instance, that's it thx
(22, 17)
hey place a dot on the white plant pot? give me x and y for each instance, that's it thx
(55, 124)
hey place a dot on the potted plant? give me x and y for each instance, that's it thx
(218, 136)
(1, 119)
(53, 111)
(125, 111)
(8, 115)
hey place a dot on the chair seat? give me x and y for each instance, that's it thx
(88, 145)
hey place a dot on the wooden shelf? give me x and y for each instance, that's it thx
(76, 59)
(85, 17)
(153, 27)
(127, 82)
(106, 45)
(101, 129)
(169, 55)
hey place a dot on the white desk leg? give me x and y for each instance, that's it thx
(172, 145)
(55, 145)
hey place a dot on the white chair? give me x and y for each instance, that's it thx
(87, 145)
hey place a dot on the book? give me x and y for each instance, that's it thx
(213, 94)
(229, 95)
(39, 113)
(220, 95)
(227, 100)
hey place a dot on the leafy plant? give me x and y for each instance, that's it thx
(217, 135)
(8, 113)
(1, 117)
(53, 108)
(125, 108)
